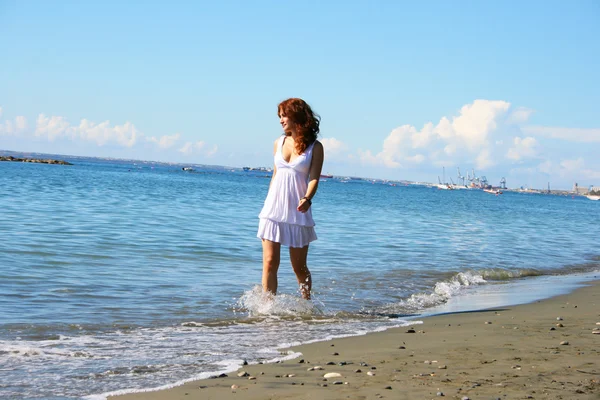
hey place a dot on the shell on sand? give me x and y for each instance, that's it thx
(332, 375)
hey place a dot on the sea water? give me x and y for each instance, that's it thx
(120, 276)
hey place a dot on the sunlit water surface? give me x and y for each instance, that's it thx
(120, 275)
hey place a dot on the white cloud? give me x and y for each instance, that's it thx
(21, 123)
(55, 127)
(125, 135)
(523, 148)
(570, 134)
(577, 169)
(484, 159)
(212, 151)
(166, 141)
(572, 165)
(569, 170)
(423, 138)
(332, 145)
(6, 128)
(465, 137)
(417, 159)
(519, 115)
(366, 157)
(477, 121)
(491, 136)
(12, 127)
(190, 148)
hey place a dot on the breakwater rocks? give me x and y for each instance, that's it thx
(34, 160)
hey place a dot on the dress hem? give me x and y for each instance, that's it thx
(290, 235)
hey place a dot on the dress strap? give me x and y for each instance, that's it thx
(280, 147)
(281, 141)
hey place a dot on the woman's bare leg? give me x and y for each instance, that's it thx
(298, 256)
(271, 258)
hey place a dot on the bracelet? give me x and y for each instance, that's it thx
(307, 199)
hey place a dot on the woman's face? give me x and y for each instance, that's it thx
(286, 123)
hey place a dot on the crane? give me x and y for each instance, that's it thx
(503, 183)
(460, 177)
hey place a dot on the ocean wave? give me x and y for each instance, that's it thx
(458, 283)
(27, 351)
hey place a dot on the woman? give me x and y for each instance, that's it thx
(286, 217)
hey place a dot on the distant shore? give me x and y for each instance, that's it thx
(548, 349)
(34, 160)
(558, 192)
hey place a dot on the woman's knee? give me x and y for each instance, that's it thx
(300, 268)
(271, 262)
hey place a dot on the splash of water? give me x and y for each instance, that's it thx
(260, 304)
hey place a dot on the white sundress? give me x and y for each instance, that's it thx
(279, 220)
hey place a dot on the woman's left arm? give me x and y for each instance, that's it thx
(314, 174)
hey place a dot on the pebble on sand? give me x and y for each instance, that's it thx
(371, 373)
(332, 375)
(564, 343)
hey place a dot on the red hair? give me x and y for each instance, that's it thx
(306, 120)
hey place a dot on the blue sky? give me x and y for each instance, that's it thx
(510, 89)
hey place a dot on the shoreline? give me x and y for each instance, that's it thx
(500, 352)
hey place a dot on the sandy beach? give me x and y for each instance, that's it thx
(545, 350)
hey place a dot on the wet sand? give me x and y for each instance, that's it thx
(543, 350)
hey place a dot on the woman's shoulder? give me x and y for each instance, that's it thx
(279, 139)
(277, 142)
(317, 144)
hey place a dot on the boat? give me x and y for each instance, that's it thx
(493, 191)
(326, 176)
(593, 197)
(444, 185)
